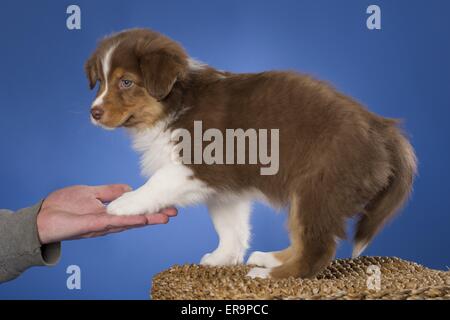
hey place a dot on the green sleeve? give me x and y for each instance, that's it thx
(20, 247)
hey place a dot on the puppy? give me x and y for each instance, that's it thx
(336, 160)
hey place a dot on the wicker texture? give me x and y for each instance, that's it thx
(343, 279)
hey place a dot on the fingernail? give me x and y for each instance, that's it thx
(128, 188)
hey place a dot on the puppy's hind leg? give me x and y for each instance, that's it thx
(313, 231)
(270, 259)
(267, 261)
(231, 219)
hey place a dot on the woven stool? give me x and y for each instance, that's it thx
(360, 278)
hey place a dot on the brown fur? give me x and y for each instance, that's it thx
(337, 159)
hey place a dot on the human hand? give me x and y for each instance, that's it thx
(79, 212)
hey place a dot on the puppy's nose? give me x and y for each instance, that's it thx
(97, 113)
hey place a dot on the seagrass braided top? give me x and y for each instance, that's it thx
(343, 279)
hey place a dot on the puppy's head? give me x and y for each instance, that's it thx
(136, 70)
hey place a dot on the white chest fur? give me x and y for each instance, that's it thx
(155, 147)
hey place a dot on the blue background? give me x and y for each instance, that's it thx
(47, 141)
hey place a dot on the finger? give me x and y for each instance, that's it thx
(136, 221)
(103, 233)
(100, 222)
(108, 193)
(156, 218)
(116, 230)
(113, 224)
(171, 212)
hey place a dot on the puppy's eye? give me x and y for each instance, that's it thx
(125, 84)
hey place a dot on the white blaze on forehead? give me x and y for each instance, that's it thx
(106, 66)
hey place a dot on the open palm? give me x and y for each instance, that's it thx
(80, 212)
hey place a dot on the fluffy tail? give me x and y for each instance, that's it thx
(390, 199)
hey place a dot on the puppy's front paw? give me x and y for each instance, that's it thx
(263, 273)
(128, 204)
(218, 258)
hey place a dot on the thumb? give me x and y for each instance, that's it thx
(108, 193)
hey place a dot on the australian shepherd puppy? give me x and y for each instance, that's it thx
(336, 159)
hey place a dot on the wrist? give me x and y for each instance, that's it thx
(42, 229)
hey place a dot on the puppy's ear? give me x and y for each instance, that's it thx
(161, 68)
(91, 70)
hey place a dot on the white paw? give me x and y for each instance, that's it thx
(130, 203)
(218, 258)
(263, 273)
(263, 259)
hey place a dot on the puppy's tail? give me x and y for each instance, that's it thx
(390, 199)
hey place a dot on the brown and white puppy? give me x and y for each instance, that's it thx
(336, 159)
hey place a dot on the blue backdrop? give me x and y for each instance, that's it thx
(47, 141)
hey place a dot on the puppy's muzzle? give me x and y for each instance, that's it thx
(97, 113)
